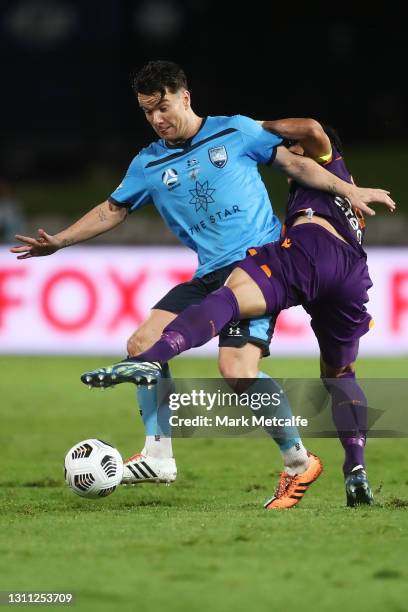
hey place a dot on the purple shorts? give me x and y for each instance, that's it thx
(325, 275)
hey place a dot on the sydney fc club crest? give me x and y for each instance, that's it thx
(218, 156)
(170, 178)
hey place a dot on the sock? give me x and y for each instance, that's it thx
(159, 447)
(195, 326)
(349, 410)
(147, 400)
(354, 453)
(294, 454)
(155, 412)
(163, 390)
(295, 459)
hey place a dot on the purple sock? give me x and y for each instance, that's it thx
(195, 326)
(349, 410)
(354, 450)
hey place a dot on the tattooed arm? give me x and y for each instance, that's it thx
(98, 220)
(309, 174)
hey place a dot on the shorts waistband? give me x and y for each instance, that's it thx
(217, 271)
(323, 231)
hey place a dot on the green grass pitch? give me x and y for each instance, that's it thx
(205, 542)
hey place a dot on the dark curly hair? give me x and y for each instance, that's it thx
(329, 131)
(156, 76)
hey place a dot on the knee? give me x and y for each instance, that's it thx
(235, 369)
(332, 372)
(330, 375)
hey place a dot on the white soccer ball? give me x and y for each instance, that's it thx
(93, 468)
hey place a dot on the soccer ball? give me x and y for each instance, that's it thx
(93, 468)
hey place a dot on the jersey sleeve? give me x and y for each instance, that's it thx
(133, 192)
(259, 144)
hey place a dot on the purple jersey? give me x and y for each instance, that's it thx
(348, 221)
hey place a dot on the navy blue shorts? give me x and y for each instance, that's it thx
(257, 331)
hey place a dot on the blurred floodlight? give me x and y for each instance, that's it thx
(41, 22)
(159, 20)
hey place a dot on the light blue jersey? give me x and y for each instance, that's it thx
(208, 190)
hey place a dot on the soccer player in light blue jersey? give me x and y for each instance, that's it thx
(202, 175)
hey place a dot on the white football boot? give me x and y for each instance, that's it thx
(141, 468)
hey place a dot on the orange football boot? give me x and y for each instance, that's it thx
(291, 489)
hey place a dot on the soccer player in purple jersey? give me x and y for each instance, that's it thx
(320, 263)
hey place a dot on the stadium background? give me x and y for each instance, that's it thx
(70, 126)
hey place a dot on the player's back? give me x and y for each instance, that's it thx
(349, 222)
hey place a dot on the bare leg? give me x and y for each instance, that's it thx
(251, 301)
(149, 332)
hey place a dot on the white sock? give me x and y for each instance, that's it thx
(295, 459)
(159, 447)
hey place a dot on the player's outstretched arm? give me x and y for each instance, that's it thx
(308, 173)
(98, 220)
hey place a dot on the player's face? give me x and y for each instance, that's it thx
(168, 115)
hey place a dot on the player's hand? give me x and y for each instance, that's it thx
(44, 244)
(362, 196)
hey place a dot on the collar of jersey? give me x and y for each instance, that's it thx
(186, 143)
